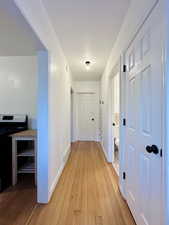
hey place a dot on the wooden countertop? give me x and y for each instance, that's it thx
(26, 133)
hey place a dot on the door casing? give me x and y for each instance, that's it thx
(116, 71)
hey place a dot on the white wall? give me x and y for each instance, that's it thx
(54, 135)
(18, 86)
(86, 87)
(42, 125)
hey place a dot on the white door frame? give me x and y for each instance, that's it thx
(122, 144)
(115, 71)
(72, 115)
(118, 68)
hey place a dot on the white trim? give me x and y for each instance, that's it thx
(105, 153)
(166, 117)
(122, 128)
(110, 133)
(72, 121)
(115, 70)
(65, 159)
(118, 68)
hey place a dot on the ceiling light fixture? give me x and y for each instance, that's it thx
(88, 64)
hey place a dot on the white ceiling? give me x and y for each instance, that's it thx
(87, 30)
(16, 36)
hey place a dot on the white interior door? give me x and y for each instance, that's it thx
(88, 117)
(144, 123)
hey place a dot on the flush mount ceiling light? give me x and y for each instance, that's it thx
(87, 64)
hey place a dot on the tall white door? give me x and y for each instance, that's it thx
(88, 117)
(144, 123)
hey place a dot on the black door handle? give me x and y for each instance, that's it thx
(148, 149)
(114, 124)
(152, 149)
(92, 119)
(155, 149)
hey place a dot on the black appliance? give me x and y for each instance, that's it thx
(9, 124)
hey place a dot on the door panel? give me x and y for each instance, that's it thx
(133, 104)
(146, 42)
(131, 185)
(146, 101)
(145, 193)
(144, 79)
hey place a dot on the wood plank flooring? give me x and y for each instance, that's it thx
(87, 194)
(16, 204)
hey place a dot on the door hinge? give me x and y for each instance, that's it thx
(161, 153)
(124, 175)
(124, 122)
(124, 68)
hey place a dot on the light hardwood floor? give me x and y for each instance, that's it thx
(87, 194)
(16, 204)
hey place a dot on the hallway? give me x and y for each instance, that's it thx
(87, 73)
(87, 194)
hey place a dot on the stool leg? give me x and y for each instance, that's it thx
(14, 162)
(35, 149)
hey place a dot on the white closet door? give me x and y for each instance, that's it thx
(144, 123)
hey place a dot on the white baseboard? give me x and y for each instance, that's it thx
(121, 188)
(105, 153)
(53, 186)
